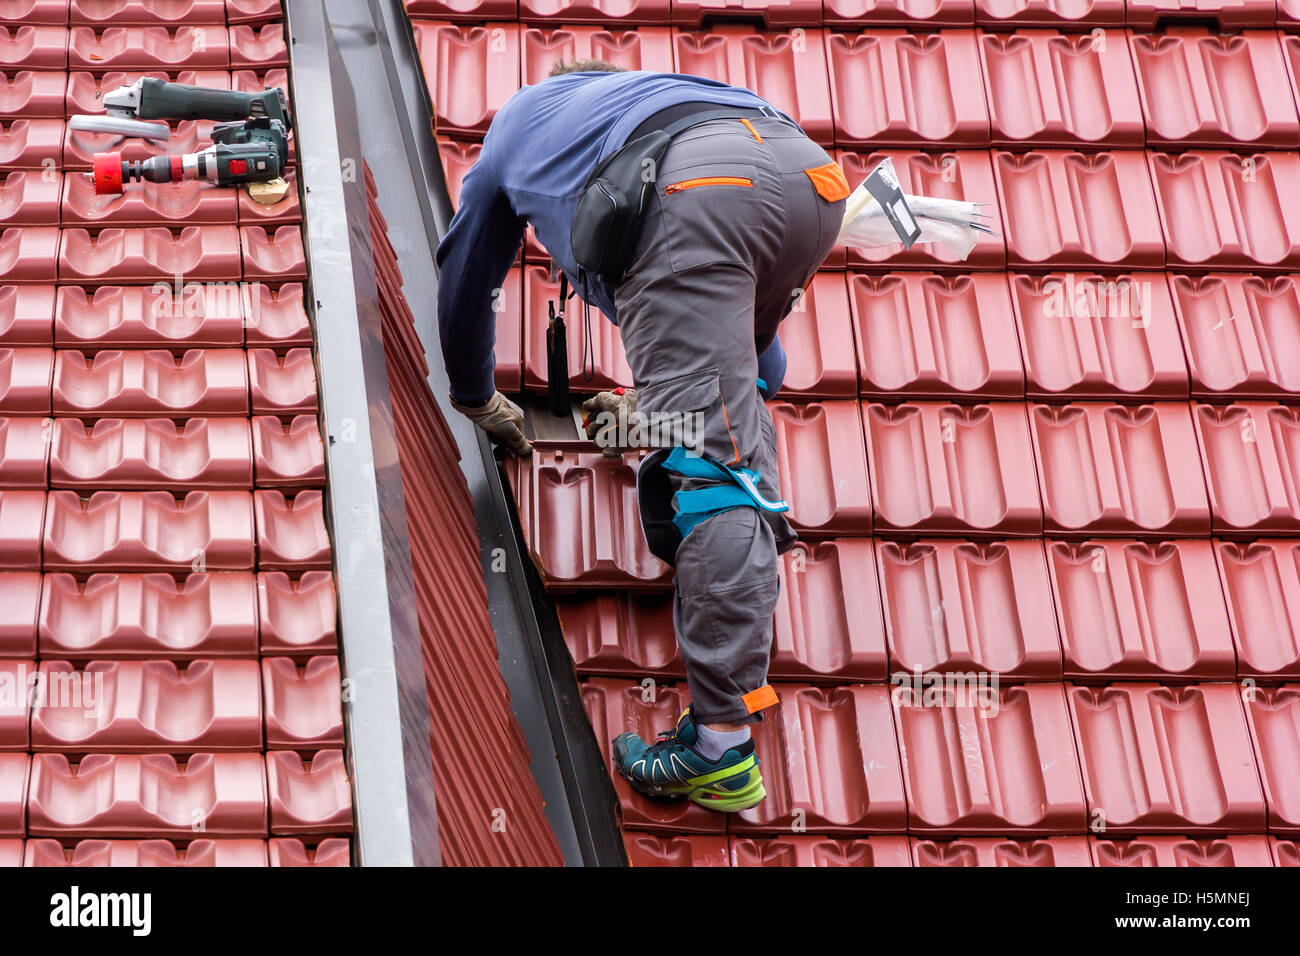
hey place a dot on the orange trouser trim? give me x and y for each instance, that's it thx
(750, 126)
(829, 182)
(709, 181)
(760, 699)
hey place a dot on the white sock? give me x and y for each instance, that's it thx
(712, 744)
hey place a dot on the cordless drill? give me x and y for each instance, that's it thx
(247, 151)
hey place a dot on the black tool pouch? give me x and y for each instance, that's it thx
(608, 218)
(557, 354)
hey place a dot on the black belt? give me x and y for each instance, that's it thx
(706, 111)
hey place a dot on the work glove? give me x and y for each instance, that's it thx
(500, 418)
(607, 419)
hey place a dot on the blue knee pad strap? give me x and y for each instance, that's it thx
(738, 490)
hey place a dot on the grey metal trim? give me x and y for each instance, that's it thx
(387, 748)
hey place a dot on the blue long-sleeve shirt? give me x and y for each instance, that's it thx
(539, 151)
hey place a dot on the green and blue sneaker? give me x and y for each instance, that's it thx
(671, 767)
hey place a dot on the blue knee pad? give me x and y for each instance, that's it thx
(666, 526)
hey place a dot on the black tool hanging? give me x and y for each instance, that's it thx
(557, 354)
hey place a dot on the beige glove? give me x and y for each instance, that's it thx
(607, 417)
(500, 418)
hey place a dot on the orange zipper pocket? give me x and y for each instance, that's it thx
(708, 181)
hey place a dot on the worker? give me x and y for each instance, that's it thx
(740, 210)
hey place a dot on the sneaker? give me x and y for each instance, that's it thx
(671, 767)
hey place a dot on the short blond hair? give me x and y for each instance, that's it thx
(584, 66)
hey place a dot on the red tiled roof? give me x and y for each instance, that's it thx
(162, 527)
(490, 810)
(1087, 489)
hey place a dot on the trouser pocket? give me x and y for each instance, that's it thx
(711, 211)
(689, 411)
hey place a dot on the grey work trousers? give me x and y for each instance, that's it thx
(717, 265)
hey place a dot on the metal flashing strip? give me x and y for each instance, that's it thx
(386, 706)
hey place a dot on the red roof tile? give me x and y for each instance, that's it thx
(136, 317)
(288, 452)
(1135, 609)
(34, 47)
(148, 707)
(286, 851)
(1188, 77)
(820, 851)
(30, 144)
(1074, 210)
(589, 11)
(921, 89)
(645, 849)
(296, 615)
(1273, 714)
(828, 614)
(147, 795)
(308, 796)
(578, 512)
(1119, 469)
(969, 606)
(934, 336)
(149, 616)
(20, 601)
(1195, 191)
(486, 60)
(643, 48)
(821, 464)
(32, 93)
(996, 851)
(100, 49)
(952, 469)
(818, 341)
(1248, 450)
(1087, 335)
(831, 763)
(1182, 851)
(1256, 357)
(146, 13)
(154, 453)
(148, 383)
(1137, 783)
(1261, 585)
(977, 761)
(36, 11)
(1061, 89)
(24, 452)
(235, 852)
(148, 530)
